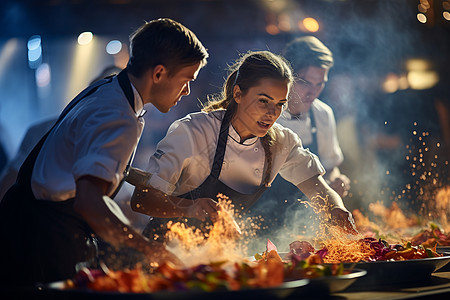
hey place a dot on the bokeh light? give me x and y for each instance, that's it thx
(113, 47)
(311, 24)
(85, 38)
(421, 18)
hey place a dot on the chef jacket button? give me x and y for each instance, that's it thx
(256, 171)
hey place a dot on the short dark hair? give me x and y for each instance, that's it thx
(308, 51)
(164, 42)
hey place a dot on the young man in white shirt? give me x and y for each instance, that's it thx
(61, 199)
(308, 116)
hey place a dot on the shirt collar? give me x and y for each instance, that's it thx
(235, 136)
(138, 103)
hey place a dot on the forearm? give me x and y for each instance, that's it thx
(105, 217)
(150, 201)
(155, 203)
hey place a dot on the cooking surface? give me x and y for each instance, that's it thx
(437, 287)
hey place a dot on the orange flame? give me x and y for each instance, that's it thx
(220, 243)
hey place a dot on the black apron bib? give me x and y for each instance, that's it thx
(43, 241)
(283, 191)
(209, 189)
(314, 146)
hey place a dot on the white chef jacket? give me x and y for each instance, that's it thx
(97, 138)
(330, 152)
(184, 157)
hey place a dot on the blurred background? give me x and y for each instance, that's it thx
(389, 88)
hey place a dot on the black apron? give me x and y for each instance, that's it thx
(314, 146)
(209, 189)
(43, 241)
(283, 191)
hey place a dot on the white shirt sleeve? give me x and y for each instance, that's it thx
(103, 144)
(96, 138)
(295, 163)
(173, 153)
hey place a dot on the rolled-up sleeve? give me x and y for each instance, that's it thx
(104, 144)
(173, 153)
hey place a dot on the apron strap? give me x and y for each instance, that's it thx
(26, 170)
(125, 84)
(221, 145)
(314, 146)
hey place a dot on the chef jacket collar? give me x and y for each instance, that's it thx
(235, 136)
(138, 103)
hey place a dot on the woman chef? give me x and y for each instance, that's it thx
(232, 147)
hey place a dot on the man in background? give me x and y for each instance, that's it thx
(309, 117)
(314, 122)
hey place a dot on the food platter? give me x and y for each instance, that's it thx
(385, 273)
(401, 272)
(329, 284)
(56, 291)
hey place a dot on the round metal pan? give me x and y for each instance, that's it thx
(388, 272)
(56, 291)
(404, 272)
(334, 284)
(446, 251)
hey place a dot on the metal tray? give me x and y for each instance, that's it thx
(404, 272)
(334, 284)
(446, 251)
(387, 273)
(55, 291)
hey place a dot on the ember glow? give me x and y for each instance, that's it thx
(442, 202)
(220, 243)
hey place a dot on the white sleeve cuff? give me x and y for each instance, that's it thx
(100, 167)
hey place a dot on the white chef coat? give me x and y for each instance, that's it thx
(97, 138)
(330, 152)
(183, 159)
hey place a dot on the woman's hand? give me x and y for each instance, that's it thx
(344, 219)
(203, 208)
